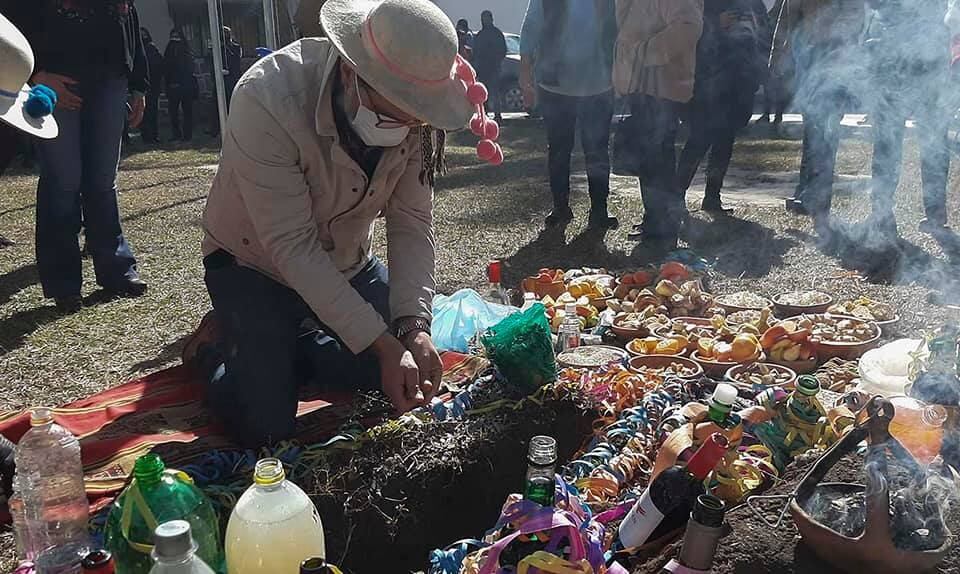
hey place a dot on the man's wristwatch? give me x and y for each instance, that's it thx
(407, 325)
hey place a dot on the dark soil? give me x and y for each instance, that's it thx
(752, 547)
(387, 505)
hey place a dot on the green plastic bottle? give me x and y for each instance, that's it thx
(154, 496)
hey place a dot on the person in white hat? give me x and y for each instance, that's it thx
(89, 52)
(324, 136)
(18, 102)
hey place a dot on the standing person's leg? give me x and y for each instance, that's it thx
(174, 102)
(721, 151)
(58, 211)
(934, 155)
(104, 111)
(560, 117)
(595, 114)
(496, 97)
(888, 131)
(824, 137)
(186, 102)
(694, 150)
(663, 203)
(148, 129)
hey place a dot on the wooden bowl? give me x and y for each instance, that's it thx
(730, 308)
(636, 353)
(718, 369)
(736, 370)
(827, 350)
(661, 361)
(627, 333)
(789, 310)
(541, 290)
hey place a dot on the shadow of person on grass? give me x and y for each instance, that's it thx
(741, 248)
(17, 280)
(550, 250)
(170, 352)
(16, 328)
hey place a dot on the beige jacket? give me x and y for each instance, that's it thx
(656, 50)
(289, 202)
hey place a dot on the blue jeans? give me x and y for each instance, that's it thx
(272, 343)
(78, 186)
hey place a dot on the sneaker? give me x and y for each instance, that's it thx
(128, 288)
(603, 221)
(207, 333)
(933, 226)
(559, 217)
(68, 305)
(712, 204)
(795, 205)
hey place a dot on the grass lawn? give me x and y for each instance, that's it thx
(482, 212)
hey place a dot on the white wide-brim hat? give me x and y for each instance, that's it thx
(406, 50)
(16, 66)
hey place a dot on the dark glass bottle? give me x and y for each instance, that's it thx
(315, 565)
(540, 485)
(673, 488)
(703, 533)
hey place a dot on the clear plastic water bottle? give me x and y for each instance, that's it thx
(175, 552)
(50, 481)
(27, 544)
(568, 334)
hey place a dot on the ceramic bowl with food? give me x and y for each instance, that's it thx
(718, 369)
(592, 357)
(839, 336)
(760, 375)
(690, 328)
(543, 288)
(628, 326)
(795, 303)
(657, 346)
(798, 367)
(666, 366)
(742, 301)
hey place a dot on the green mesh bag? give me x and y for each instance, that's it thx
(521, 348)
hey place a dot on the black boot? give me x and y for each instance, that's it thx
(599, 215)
(712, 203)
(559, 216)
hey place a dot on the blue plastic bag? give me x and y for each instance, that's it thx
(459, 317)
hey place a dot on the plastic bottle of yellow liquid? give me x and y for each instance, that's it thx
(918, 427)
(274, 526)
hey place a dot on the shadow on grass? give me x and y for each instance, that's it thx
(741, 248)
(148, 212)
(17, 280)
(169, 352)
(16, 328)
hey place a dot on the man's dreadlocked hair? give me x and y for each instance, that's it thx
(432, 142)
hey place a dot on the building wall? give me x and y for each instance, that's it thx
(507, 14)
(155, 17)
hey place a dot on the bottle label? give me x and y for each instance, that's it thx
(640, 522)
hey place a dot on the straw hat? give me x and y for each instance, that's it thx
(407, 51)
(16, 67)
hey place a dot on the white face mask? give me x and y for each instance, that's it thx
(365, 124)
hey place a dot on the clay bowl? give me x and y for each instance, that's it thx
(889, 327)
(541, 290)
(798, 367)
(601, 302)
(733, 372)
(783, 309)
(661, 361)
(634, 352)
(733, 308)
(664, 331)
(627, 333)
(827, 350)
(718, 369)
(592, 357)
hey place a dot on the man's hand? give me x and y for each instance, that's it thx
(425, 354)
(529, 97)
(137, 106)
(399, 374)
(60, 84)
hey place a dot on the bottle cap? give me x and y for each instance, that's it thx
(495, 271)
(148, 468)
(543, 450)
(40, 416)
(314, 565)
(98, 562)
(529, 296)
(268, 471)
(707, 456)
(724, 397)
(570, 308)
(172, 540)
(808, 385)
